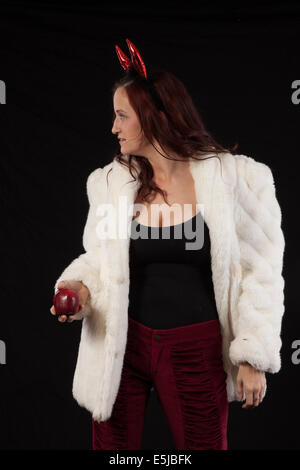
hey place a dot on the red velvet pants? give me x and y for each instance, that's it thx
(185, 366)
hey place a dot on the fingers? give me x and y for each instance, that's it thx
(240, 389)
(261, 395)
(65, 318)
(253, 399)
(69, 318)
(52, 310)
(62, 318)
(62, 285)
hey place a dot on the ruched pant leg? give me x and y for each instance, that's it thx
(185, 366)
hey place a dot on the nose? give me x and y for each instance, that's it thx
(114, 129)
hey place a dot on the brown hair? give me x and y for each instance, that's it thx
(182, 131)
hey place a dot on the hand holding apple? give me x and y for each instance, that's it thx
(66, 302)
(69, 299)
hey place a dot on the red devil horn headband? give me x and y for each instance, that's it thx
(136, 59)
(136, 64)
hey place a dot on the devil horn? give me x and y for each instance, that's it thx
(124, 60)
(136, 59)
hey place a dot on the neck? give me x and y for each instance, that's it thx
(166, 170)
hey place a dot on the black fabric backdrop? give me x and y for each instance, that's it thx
(58, 63)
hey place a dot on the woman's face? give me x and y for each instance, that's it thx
(126, 125)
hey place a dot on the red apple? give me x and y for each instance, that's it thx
(66, 302)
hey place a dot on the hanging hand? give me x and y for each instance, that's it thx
(253, 382)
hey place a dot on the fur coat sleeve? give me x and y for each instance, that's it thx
(261, 243)
(85, 268)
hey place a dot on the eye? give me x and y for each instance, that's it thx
(120, 115)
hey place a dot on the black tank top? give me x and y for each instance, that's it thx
(170, 285)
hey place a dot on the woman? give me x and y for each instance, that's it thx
(201, 324)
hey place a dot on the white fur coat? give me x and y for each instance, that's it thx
(247, 247)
